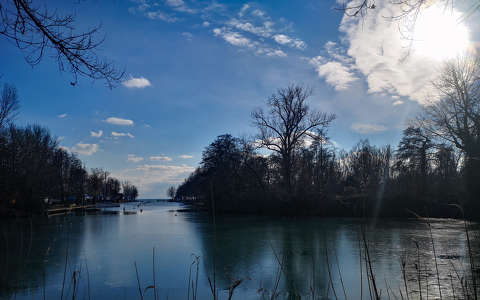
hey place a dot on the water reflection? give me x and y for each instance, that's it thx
(241, 248)
(246, 247)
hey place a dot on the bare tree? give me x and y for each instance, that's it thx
(455, 116)
(37, 32)
(171, 192)
(9, 105)
(286, 124)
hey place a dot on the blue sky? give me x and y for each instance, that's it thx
(196, 69)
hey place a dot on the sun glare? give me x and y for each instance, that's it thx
(439, 34)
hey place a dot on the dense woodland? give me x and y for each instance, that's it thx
(34, 168)
(433, 171)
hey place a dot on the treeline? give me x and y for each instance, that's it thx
(367, 180)
(290, 167)
(35, 172)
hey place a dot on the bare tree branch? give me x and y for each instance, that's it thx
(9, 105)
(37, 32)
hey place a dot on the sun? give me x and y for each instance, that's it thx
(439, 34)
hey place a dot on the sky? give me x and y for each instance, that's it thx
(197, 69)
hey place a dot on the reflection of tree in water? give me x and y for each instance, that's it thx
(245, 249)
(395, 242)
(30, 252)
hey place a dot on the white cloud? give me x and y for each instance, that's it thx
(119, 121)
(187, 35)
(160, 158)
(271, 52)
(179, 5)
(233, 38)
(62, 116)
(185, 156)
(120, 134)
(142, 6)
(159, 15)
(255, 33)
(239, 40)
(337, 74)
(283, 39)
(258, 13)
(151, 11)
(96, 134)
(263, 31)
(214, 6)
(140, 82)
(398, 102)
(134, 158)
(243, 10)
(364, 128)
(85, 149)
(205, 24)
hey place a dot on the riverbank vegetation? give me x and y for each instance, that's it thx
(36, 172)
(292, 167)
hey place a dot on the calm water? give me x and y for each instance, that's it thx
(101, 250)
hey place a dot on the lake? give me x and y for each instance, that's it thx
(94, 256)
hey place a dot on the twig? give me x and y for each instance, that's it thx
(435, 256)
(404, 275)
(154, 282)
(340, 275)
(88, 280)
(329, 273)
(372, 277)
(418, 266)
(138, 281)
(65, 269)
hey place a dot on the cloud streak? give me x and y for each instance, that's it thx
(119, 121)
(121, 134)
(160, 158)
(134, 158)
(364, 128)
